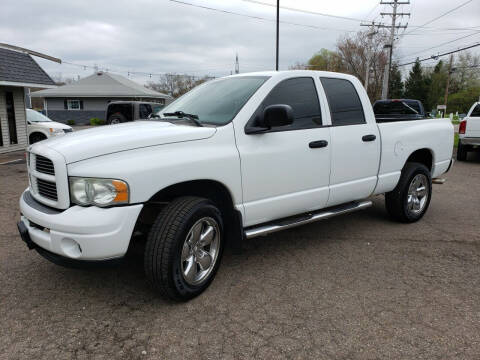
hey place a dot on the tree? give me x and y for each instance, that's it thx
(354, 50)
(395, 87)
(176, 85)
(465, 72)
(437, 83)
(416, 86)
(325, 60)
(463, 100)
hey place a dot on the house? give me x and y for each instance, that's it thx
(88, 97)
(18, 73)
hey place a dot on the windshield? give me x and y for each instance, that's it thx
(216, 102)
(35, 116)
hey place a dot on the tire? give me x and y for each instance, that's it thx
(36, 137)
(174, 255)
(116, 119)
(461, 151)
(397, 201)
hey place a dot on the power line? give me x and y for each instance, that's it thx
(393, 28)
(440, 55)
(439, 17)
(305, 11)
(255, 17)
(437, 46)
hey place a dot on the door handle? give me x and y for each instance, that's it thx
(370, 137)
(318, 144)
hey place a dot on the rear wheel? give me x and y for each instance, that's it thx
(410, 199)
(461, 151)
(116, 119)
(184, 248)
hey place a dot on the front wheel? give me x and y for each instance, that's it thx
(184, 248)
(410, 199)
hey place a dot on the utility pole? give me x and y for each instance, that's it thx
(369, 49)
(448, 81)
(393, 28)
(278, 31)
(237, 65)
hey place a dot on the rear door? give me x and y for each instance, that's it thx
(355, 141)
(473, 122)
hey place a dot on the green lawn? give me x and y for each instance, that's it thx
(455, 141)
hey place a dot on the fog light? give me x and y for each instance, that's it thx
(71, 248)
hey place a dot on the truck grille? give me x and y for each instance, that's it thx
(47, 189)
(44, 165)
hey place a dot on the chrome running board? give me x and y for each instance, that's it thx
(291, 222)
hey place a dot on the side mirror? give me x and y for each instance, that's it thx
(278, 115)
(272, 116)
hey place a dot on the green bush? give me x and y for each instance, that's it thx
(96, 122)
(70, 122)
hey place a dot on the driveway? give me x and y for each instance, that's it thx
(353, 287)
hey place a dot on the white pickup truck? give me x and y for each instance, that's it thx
(236, 157)
(469, 133)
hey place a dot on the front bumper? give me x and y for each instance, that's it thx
(80, 233)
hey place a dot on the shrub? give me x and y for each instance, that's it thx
(96, 122)
(70, 122)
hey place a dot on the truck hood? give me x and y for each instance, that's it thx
(85, 144)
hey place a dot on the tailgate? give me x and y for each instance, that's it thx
(473, 127)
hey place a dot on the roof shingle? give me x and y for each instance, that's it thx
(101, 84)
(20, 67)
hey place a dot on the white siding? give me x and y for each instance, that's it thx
(20, 118)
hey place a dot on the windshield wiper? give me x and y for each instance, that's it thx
(182, 115)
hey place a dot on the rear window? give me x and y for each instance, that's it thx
(476, 111)
(345, 105)
(396, 107)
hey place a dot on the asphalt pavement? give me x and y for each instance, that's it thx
(357, 286)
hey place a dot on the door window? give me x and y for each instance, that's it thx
(345, 105)
(301, 95)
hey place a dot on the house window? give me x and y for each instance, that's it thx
(12, 125)
(73, 104)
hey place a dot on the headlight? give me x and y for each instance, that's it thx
(55, 132)
(99, 192)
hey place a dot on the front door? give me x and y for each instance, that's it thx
(284, 171)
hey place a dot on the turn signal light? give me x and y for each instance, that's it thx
(462, 127)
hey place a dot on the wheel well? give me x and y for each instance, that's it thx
(210, 189)
(37, 133)
(422, 156)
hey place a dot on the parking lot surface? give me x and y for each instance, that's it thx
(354, 287)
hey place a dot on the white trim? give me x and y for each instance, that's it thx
(28, 85)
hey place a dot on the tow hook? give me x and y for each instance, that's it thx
(438, 181)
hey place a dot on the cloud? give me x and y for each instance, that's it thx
(162, 36)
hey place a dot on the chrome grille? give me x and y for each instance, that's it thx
(47, 189)
(44, 165)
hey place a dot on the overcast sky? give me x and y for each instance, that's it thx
(163, 36)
